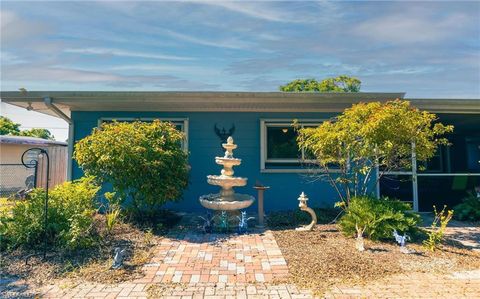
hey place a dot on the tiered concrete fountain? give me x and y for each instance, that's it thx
(227, 199)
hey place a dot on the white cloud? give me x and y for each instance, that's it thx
(411, 28)
(119, 52)
(27, 75)
(15, 29)
(229, 43)
(252, 9)
(42, 73)
(183, 69)
(270, 11)
(7, 58)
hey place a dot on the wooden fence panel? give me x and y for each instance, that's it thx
(58, 167)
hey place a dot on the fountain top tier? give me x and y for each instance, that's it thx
(229, 146)
(228, 161)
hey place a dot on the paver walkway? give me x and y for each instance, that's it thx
(457, 285)
(194, 258)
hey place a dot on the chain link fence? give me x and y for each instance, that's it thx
(16, 178)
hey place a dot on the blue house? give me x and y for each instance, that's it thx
(260, 123)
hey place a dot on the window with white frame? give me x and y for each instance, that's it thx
(279, 148)
(180, 124)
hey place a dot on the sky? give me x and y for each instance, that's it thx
(426, 49)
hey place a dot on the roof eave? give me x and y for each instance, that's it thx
(69, 101)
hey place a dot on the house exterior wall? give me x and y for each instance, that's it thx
(204, 145)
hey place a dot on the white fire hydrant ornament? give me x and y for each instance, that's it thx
(303, 206)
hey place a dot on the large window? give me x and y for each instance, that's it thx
(279, 149)
(181, 124)
(448, 177)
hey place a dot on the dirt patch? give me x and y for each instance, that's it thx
(91, 264)
(320, 259)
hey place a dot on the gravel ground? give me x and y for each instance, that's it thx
(91, 264)
(320, 259)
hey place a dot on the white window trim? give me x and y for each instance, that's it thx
(264, 123)
(184, 121)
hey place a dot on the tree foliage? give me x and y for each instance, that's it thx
(144, 162)
(341, 83)
(8, 127)
(37, 132)
(368, 135)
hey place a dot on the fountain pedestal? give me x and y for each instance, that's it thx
(227, 199)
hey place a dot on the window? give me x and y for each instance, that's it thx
(473, 154)
(435, 163)
(282, 144)
(279, 149)
(181, 124)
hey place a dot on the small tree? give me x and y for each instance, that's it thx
(341, 83)
(38, 132)
(371, 135)
(143, 161)
(8, 127)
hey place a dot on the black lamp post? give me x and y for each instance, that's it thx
(30, 160)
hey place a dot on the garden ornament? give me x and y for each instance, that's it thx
(243, 222)
(118, 257)
(359, 241)
(208, 222)
(261, 214)
(303, 206)
(224, 134)
(401, 240)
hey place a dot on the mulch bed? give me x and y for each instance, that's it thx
(91, 264)
(320, 259)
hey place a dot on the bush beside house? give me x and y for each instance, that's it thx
(143, 162)
(469, 209)
(71, 207)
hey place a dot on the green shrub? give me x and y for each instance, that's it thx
(71, 207)
(113, 210)
(379, 217)
(143, 161)
(468, 210)
(437, 229)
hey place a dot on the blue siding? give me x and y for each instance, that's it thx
(204, 145)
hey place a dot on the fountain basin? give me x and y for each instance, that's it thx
(219, 202)
(226, 182)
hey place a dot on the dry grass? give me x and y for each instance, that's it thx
(91, 264)
(159, 290)
(320, 259)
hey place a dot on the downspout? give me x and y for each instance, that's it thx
(49, 103)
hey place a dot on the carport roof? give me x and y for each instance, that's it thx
(8, 139)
